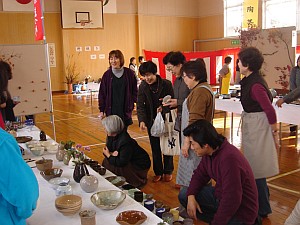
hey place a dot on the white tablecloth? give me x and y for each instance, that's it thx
(289, 113)
(46, 214)
(92, 86)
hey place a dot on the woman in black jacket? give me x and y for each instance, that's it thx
(152, 89)
(123, 155)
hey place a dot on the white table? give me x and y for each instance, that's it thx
(289, 113)
(46, 214)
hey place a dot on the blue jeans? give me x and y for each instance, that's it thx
(263, 197)
(208, 204)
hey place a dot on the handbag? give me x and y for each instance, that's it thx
(169, 141)
(158, 126)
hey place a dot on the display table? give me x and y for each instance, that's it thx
(289, 113)
(46, 214)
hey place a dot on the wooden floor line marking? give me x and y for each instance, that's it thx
(283, 175)
(283, 189)
(104, 143)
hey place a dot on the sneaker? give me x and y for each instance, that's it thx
(168, 177)
(157, 178)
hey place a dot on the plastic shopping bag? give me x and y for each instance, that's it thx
(158, 126)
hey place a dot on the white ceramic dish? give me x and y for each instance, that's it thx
(55, 182)
(52, 148)
(37, 151)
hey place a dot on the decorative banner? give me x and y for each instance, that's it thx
(209, 57)
(250, 13)
(52, 54)
(38, 21)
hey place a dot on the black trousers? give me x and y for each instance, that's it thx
(162, 164)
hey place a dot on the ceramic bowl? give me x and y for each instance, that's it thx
(68, 204)
(108, 199)
(51, 173)
(102, 171)
(52, 149)
(116, 180)
(34, 145)
(37, 151)
(31, 143)
(131, 217)
(55, 182)
(44, 164)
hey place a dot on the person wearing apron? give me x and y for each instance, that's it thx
(198, 105)
(259, 125)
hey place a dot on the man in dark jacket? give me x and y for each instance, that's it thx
(234, 198)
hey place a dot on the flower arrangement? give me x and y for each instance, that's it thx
(78, 153)
(71, 70)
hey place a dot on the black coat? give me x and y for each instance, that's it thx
(128, 151)
(145, 106)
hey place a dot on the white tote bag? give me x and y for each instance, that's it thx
(169, 141)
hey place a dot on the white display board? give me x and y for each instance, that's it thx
(31, 77)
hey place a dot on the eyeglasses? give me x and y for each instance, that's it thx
(169, 68)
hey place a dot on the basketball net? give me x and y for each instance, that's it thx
(83, 22)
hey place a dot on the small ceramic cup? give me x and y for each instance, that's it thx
(175, 213)
(188, 221)
(167, 217)
(159, 212)
(88, 217)
(138, 196)
(149, 204)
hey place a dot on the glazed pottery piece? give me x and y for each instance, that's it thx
(89, 183)
(131, 217)
(64, 189)
(80, 171)
(108, 199)
(44, 164)
(66, 158)
(88, 217)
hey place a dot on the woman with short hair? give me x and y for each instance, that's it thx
(152, 89)
(259, 124)
(118, 89)
(123, 155)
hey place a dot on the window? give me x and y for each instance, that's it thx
(233, 16)
(279, 13)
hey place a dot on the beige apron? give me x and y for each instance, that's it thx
(258, 145)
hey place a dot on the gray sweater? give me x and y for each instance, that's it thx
(292, 96)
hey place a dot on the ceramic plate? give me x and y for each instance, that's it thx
(116, 180)
(131, 217)
(23, 139)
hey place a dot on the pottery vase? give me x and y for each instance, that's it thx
(89, 183)
(66, 158)
(60, 154)
(80, 171)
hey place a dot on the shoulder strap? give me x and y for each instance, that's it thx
(213, 98)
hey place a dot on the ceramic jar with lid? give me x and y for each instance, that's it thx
(64, 189)
(89, 183)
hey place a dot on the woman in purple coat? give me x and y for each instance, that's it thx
(118, 89)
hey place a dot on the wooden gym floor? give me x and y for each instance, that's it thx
(76, 119)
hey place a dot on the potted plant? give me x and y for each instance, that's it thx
(71, 72)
